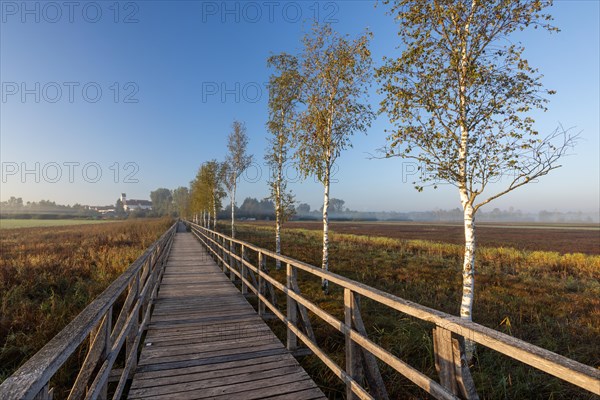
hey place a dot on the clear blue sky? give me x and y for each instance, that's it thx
(183, 63)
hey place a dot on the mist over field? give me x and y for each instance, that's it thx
(252, 208)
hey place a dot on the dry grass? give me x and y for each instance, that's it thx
(48, 275)
(546, 298)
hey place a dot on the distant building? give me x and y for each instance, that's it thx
(104, 210)
(132, 205)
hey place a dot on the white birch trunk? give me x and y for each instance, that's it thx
(325, 264)
(233, 211)
(214, 216)
(468, 285)
(278, 242)
(278, 211)
(466, 305)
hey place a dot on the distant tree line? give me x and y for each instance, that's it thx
(15, 207)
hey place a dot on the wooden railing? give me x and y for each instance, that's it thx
(106, 337)
(448, 335)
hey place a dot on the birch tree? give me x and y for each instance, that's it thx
(460, 98)
(336, 74)
(284, 92)
(237, 162)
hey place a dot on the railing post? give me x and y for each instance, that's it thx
(219, 252)
(352, 356)
(243, 269)
(227, 256)
(208, 237)
(451, 364)
(232, 260)
(213, 244)
(261, 284)
(224, 254)
(130, 341)
(292, 309)
(444, 358)
(106, 351)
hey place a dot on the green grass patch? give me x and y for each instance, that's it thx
(34, 223)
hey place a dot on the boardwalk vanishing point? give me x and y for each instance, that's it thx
(206, 341)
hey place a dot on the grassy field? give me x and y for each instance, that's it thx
(49, 274)
(546, 298)
(34, 223)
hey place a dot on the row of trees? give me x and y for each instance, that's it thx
(459, 99)
(216, 179)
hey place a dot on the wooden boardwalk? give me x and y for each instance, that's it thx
(205, 341)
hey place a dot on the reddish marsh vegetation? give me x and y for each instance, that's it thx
(561, 238)
(48, 275)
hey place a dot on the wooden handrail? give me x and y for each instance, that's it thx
(33, 378)
(544, 360)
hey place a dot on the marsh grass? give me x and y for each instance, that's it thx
(549, 299)
(48, 275)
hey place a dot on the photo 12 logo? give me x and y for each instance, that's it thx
(256, 173)
(237, 92)
(53, 12)
(252, 12)
(71, 92)
(413, 172)
(69, 171)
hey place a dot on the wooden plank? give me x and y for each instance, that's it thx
(207, 334)
(211, 373)
(194, 327)
(213, 360)
(260, 387)
(205, 350)
(226, 365)
(215, 382)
